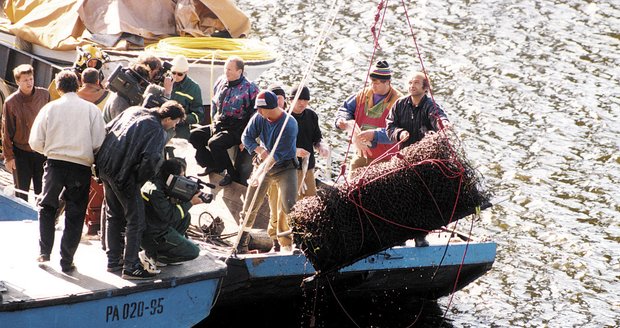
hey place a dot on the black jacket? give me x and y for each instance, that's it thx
(417, 120)
(309, 133)
(131, 152)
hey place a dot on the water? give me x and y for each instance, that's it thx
(533, 89)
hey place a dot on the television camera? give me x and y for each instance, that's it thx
(129, 84)
(184, 188)
(163, 72)
(154, 96)
(135, 88)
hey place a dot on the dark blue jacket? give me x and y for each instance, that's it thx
(417, 120)
(131, 152)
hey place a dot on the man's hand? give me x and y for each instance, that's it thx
(196, 199)
(258, 174)
(10, 165)
(366, 152)
(324, 150)
(302, 152)
(262, 152)
(361, 145)
(168, 85)
(341, 123)
(404, 136)
(367, 136)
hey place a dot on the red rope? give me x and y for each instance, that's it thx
(359, 107)
(355, 193)
(417, 48)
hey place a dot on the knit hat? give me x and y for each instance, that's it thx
(278, 90)
(382, 71)
(179, 64)
(266, 100)
(304, 95)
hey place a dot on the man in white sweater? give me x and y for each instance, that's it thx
(68, 131)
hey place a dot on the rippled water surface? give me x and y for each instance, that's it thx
(533, 90)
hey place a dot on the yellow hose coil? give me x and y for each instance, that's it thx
(211, 48)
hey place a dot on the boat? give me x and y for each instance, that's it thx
(58, 47)
(36, 294)
(450, 262)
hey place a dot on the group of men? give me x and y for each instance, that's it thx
(126, 144)
(379, 117)
(127, 154)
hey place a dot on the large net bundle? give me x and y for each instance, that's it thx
(426, 187)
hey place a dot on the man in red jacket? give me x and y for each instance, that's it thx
(20, 110)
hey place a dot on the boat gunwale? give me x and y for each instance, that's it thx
(140, 286)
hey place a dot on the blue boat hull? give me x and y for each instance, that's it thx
(415, 272)
(179, 306)
(36, 294)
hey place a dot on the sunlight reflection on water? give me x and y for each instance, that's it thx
(532, 87)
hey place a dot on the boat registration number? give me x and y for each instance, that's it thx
(134, 310)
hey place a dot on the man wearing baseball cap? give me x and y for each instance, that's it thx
(278, 161)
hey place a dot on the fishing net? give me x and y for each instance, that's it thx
(427, 186)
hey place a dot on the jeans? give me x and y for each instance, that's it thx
(124, 212)
(278, 220)
(75, 180)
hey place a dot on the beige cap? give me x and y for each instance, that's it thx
(180, 64)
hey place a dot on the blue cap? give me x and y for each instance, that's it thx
(266, 100)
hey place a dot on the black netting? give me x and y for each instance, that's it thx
(427, 187)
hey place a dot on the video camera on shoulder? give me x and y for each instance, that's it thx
(184, 188)
(127, 83)
(163, 72)
(154, 96)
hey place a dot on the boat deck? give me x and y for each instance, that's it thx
(28, 281)
(34, 294)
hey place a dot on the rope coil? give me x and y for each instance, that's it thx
(212, 47)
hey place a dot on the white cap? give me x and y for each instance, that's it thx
(180, 64)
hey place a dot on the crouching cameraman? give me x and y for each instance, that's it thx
(167, 220)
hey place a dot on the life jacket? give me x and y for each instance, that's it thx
(373, 115)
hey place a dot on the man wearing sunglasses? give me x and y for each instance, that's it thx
(186, 92)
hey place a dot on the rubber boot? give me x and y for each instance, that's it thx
(242, 248)
(421, 241)
(276, 246)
